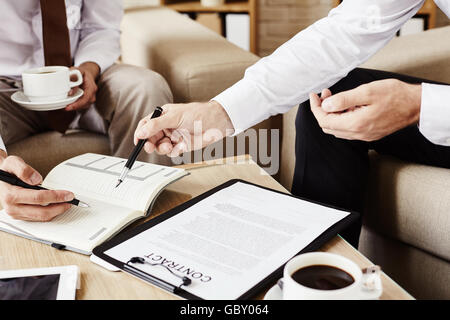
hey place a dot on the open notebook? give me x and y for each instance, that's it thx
(92, 178)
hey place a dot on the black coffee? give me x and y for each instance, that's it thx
(323, 277)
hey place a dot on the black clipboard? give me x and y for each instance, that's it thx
(316, 244)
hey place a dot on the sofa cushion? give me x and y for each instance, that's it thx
(424, 55)
(411, 203)
(196, 62)
(420, 273)
(46, 150)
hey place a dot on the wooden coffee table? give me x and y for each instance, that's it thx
(99, 283)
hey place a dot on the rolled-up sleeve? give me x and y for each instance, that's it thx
(435, 113)
(100, 33)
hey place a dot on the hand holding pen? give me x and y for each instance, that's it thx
(21, 196)
(136, 151)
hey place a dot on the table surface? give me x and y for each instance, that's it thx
(99, 283)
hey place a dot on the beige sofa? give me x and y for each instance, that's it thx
(407, 224)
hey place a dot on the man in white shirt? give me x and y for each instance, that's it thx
(402, 116)
(115, 96)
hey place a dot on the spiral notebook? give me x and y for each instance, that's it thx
(228, 243)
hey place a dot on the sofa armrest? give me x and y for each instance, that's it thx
(423, 55)
(196, 62)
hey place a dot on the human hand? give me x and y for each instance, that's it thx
(184, 127)
(370, 111)
(90, 72)
(26, 204)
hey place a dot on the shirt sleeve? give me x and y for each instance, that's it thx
(314, 59)
(434, 121)
(100, 33)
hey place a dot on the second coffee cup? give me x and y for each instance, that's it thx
(327, 276)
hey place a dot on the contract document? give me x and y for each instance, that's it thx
(229, 241)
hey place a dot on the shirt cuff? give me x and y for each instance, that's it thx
(103, 62)
(244, 105)
(434, 121)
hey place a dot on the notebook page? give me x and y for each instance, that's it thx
(230, 241)
(95, 176)
(81, 228)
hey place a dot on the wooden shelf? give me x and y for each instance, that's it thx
(234, 6)
(195, 6)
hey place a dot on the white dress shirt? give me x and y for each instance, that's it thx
(94, 29)
(321, 55)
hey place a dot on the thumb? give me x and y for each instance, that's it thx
(344, 100)
(21, 170)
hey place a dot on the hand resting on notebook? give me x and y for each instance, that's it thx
(25, 204)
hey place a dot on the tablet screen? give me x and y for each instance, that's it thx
(43, 287)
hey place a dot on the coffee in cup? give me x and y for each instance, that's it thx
(323, 276)
(49, 84)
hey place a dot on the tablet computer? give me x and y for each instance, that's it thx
(55, 283)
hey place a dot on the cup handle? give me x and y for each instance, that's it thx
(79, 78)
(371, 287)
(280, 283)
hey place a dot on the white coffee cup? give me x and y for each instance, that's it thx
(50, 83)
(366, 285)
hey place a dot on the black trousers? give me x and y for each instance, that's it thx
(335, 171)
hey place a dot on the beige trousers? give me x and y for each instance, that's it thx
(125, 95)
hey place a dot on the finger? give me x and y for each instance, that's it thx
(174, 135)
(178, 149)
(20, 169)
(140, 124)
(316, 109)
(79, 104)
(43, 197)
(149, 147)
(325, 94)
(85, 100)
(72, 91)
(154, 126)
(346, 99)
(164, 146)
(38, 213)
(332, 121)
(339, 133)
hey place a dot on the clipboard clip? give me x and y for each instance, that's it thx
(152, 279)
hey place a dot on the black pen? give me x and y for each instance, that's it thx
(136, 151)
(13, 180)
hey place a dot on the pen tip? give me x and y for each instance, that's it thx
(83, 205)
(118, 183)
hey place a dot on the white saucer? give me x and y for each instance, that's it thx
(274, 293)
(20, 98)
